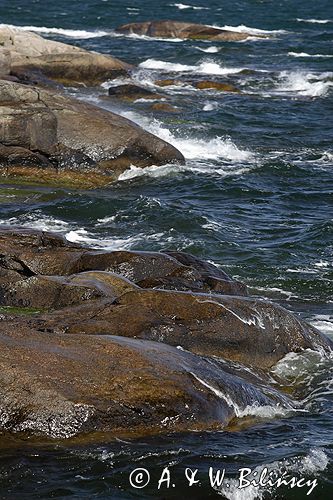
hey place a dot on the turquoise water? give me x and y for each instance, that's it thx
(255, 197)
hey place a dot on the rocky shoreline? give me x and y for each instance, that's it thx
(123, 343)
(47, 137)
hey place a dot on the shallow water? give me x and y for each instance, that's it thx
(255, 198)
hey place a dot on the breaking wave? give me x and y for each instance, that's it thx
(79, 34)
(252, 31)
(304, 54)
(192, 147)
(183, 6)
(306, 84)
(205, 67)
(313, 21)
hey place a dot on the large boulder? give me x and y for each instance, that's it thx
(24, 53)
(177, 29)
(46, 137)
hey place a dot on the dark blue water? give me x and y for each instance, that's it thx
(255, 197)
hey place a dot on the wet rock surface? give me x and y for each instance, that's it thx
(131, 343)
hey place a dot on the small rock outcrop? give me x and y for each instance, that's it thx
(131, 92)
(211, 85)
(164, 107)
(177, 29)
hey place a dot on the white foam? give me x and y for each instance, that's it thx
(183, 6)
(209, 50)
(287, 293)
(212, 68)
(305, 54)
(147, 38)
(192, 147)
(314, 21)
(210, 106)
(166, 66)
(305, 84)
(265, 411)
(247, 29)
(205, 67)
(303, 370)
(83, 236)
(257, 410)
(324, 323)
(299, 466)
(212, 149)
(153, 171)
(79, 34)
(315, 461)
(37, 220)
(324, 263)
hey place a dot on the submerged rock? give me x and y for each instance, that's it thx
(164, 107)
(131, 92)
(209, 85)
(177, 29)
(106, 342)
(28, 54)
(168, 82)
(50, 138)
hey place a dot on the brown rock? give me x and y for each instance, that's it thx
(164, 106)
(168, 82)
(224, 87)
(47, 292)
(131, 92)
(31, 253)
(176, 29)
(205, 323)
(60, 386)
